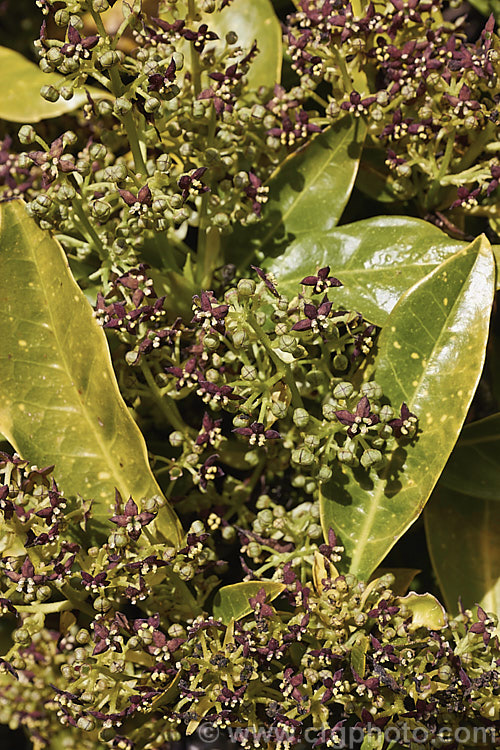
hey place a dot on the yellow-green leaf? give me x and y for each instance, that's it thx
(232, 602)
(377, 260)
(60, 400)
(426, 611)
(463, 536)
(431, 354)
(307, 195)
(20, 84)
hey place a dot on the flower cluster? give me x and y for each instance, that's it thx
(274, 377)
(111, 648)
(429, 96)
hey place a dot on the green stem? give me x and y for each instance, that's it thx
(87, 229)
(445, 163)
(165, 403)
(343, 69)
(477, 146)
(280, 366)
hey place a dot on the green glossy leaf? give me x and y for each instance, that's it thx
(60, 400)
(358, 655)
(426, 611)
(377, 181)
(253, 21)
(431, 353)
(474, 467)
(376, 259)
(486, 7)
(20, 83)
(307, 195)
(463, 537)
(232, 602)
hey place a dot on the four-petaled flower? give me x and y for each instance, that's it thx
(257, 434)
(209, 312)
(208, 472)
(405, 425)
(159, 81)
(383, 611)
(200, 37)
(357, 105)
(360, 421)
(316, 317)
(259, 606)
(76, 46)
(191, 183)
(363, 342)
(267, 279)
(210, 432)
(483, 626)
(331, 550)
(138, 203)
(131, 520)
(322, 281)
(257, 192)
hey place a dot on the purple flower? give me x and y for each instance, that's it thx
(217, 394)
(266, 278)
(293, 130)
(138, 203)
(483, 626)
(332, 550)
(466, 198)
(257, 434)
(405, 425)
(363, 342)
(210, 431)
(356, 105)
(259, 606)
(334, 685)
(316, 317)
(200, 37)
(360, 421)
(209, 312)
(191, 183)
(322, 281)
(94, 583)
(383, 611)
(159, 82)
(208, 472)
(131, 520)
(257, 192)
(76, 46)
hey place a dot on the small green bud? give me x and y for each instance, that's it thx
(258, 112)
(246, 287)
(241, 420)
(163, 165)
(249, 372)
(61, 17)
(27, 134)
(253, 550)
(371, 390)
(279, 409)
(100, 210)
(228, 533)
(21, 635)
(371, 457)
(329, 410)
(101, 604)
(100, 6)
(41, 205)
(105, 107)
(343, 390)
(312, 441)
(300, 417)
(265, 517)
(83, 637)
(288, 343)
(176, 438)
(86, 723)
(340, 362)
(110, 58)
(303, 457)
(49, 93)
(175, 201)
(314, 531)
(324, 474)
(252, 458)
(83, 167)
(45, 66)
(386, 413)
(231, 37)
(43, 593)
(122, 106)
(263, 501)
(346, 456)
(211, 341)
(54, 56)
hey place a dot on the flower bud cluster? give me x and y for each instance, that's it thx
(273, 377)
(428, 95)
